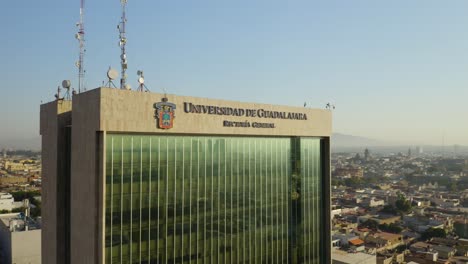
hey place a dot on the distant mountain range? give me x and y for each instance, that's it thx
(349, 143)
(346, 141)
(339, 142)
(21, 143)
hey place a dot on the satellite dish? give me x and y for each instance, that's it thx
(141, 80)
(66, 84)
(112, 74)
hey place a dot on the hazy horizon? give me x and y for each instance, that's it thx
(339, 141)
(396, 71)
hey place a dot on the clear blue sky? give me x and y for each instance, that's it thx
(396, 70)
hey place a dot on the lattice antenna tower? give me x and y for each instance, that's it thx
(80, 36)
(141, 81)
(122, 42)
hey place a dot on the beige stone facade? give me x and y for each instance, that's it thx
(129, 111)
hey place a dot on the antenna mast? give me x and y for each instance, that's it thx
(122, 42)
(80, 37)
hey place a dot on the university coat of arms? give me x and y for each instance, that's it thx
(165, 114)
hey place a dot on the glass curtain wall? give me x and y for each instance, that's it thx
(200, 199)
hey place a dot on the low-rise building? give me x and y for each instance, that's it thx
(445, 252)
(20, 239)
(354, 172)
(374, 202)
(390, 258)
(14, 166)
(386, 219)
(6, 201)
(384, 240)
(6, 180)
(344, 257)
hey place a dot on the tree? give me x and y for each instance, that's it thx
(433, 232)
(402, 205)
(369, 224)
(453, 186)
(36, 211)
(391, 228)
(389, 209)
(18, 210)
(400, 248)
(21, 195)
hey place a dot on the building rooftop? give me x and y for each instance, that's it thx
(17, 222)
(340, 256)
(356, 242)
(387, 236)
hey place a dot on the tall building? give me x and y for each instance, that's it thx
(366, 154)
(132, 177)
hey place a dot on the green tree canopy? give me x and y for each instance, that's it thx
(433, 232)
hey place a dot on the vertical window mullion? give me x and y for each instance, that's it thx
(131, 201)
(225, 199)
(260, 176)
(304, 172)
(212, 200)
(273, 205)
(309, 201)
(231, 202)
(218, 188)
(206, 199)
(157, 200)
(141, 193)
(112, 200)
(183, 195)
(167, 199)
(190, 203)
(121, 201)
(287, 176)
(149, 201)
(174, 235)
(249, 202)
(198, 197)
(239, 206)
(255, 200)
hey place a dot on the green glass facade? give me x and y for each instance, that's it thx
(213, 199)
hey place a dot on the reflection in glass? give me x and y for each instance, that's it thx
(197, 199)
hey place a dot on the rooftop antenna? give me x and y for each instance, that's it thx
(330, 106)
(81, 40)
(111, 75)
(66, 84)
(122, 42)
(141, 80)
(57, 95)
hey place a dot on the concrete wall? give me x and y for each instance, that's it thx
(85, 191)
(5, 243)
(53, 117)
(26, 247)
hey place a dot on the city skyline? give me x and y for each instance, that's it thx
(395, 71)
